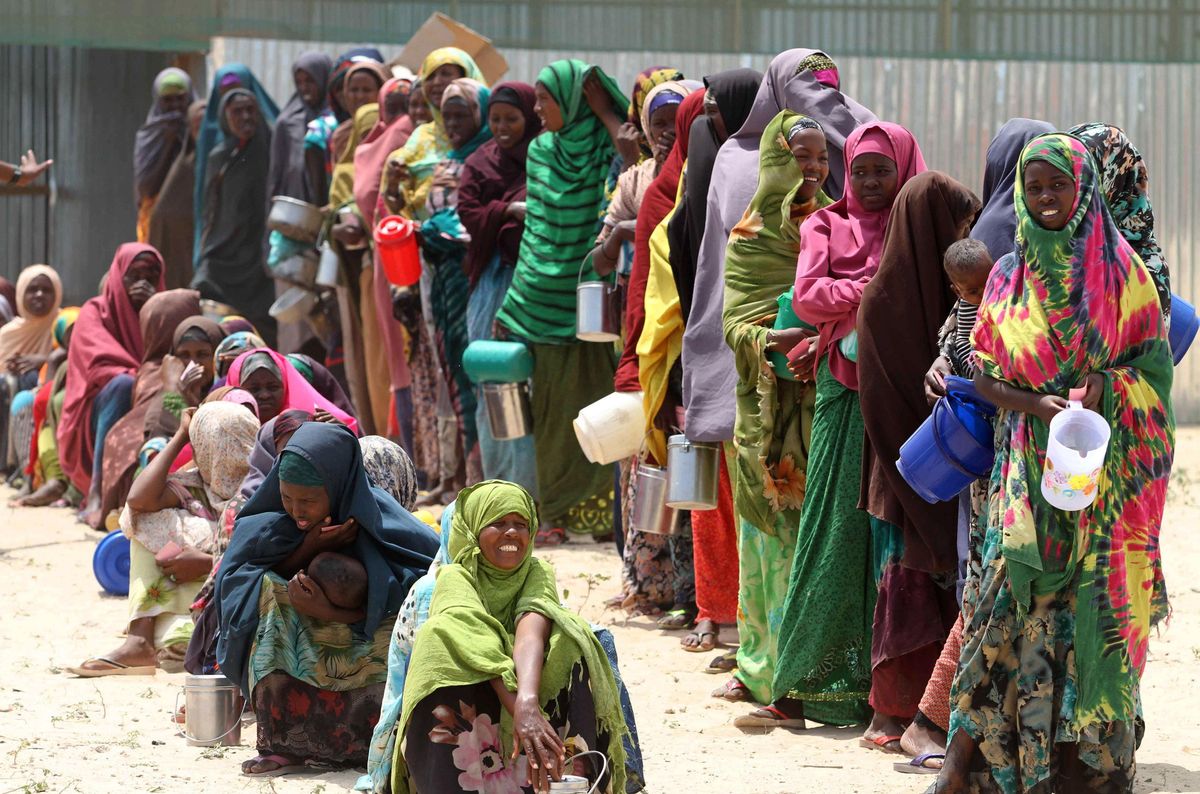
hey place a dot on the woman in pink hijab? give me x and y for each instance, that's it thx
(824, 666)
(277, 387)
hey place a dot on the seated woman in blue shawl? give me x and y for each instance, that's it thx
(314, 671)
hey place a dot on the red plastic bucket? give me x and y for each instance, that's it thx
(396, 247)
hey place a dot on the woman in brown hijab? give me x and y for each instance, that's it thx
(172, 225)
(916, 558)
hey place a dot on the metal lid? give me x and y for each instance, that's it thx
(214, 681)
(680, 440)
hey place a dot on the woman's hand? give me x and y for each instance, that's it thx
(1049, 406)
(191, 383)
(515, 210)
(331, 537)
(308, 598)
(323, 416)
(28, 362)
(185, 423)
(397, 173)
(188, 565)
(935, 380)
(782, 340)
(802, 357)
(629, 144)
(1093, 386)
(543, 748)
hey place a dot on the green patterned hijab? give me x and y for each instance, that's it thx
(760, 264)
(469, 636)
(566, 170)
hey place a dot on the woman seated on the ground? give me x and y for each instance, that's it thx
(176, 524)
(232, 346)
(48, 481)
(26, 344)
(497, 640)
(306, 650)
(106, 353)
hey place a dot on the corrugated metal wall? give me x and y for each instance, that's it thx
(82, 108)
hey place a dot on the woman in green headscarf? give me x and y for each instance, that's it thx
(566, 167)
(501, 667)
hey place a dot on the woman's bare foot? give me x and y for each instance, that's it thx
(134, 652)
(783, 713)
(49, 493)
(881, 728)
(266, 765)
(922, 738)
(953, 777)
(702, 638)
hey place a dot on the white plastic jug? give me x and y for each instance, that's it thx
(612, 428)
(1075, 453)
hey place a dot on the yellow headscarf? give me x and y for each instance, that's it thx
(341, 187)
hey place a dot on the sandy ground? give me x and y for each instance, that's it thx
(59, 733)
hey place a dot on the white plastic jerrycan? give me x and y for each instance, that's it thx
(1075, 453)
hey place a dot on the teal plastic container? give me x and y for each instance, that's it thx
(786, 318)
(491, 361)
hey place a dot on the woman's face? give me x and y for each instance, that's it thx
(713, 112)
(241, 114)
(308, 505)
(874, 181)
(199, 352)
(307, 88)
(459, 122)
(395, 105)
(504, 541)
(418, 108)
(812, 155)
(435, 84)
(507, 124)
(547, 109)
(662, 129)
(141, 279)
(39, 296)
(267, 391)
(174, 103)
(361, 89)
(1049, 195)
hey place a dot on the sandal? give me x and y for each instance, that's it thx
(695, 642)
(676, 620)
(768, 717)
(917, 765)
(283, 766)
(881, 743)
(114, 668)
(733, 690)
(724, 663)
(550, 536)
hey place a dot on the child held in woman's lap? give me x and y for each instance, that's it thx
(342, 578)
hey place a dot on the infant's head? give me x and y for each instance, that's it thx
(968, 265)
(343, 579)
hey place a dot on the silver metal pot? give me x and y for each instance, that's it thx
(509, 412)
(214, 711)
(650, 511)
(293, 305)
(329, 268)
(296, 219)
(300, 269)
(695, 468)
(597, 312)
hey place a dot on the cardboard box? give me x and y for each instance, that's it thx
(442, 31)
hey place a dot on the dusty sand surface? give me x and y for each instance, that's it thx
(59, 733)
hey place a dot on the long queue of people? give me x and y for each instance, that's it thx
(996, 639)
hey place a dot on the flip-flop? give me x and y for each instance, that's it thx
(676, 620)
(700, 647)
(114, 668)
(286, 766)
(550, 536)
(722, 663)
(917, 765)
(733, 687)
(778, 720)
(881, 743)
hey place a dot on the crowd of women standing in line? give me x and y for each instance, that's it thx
(999, 634)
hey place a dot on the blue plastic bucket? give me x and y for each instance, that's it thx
(110, 563)
(1184, 324)
(493, 361)
(951, 448)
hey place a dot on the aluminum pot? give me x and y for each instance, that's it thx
(509, 412)
(597, 312)
(293, 305)
(295, 219)
(695, 468)
(329, 268)
(299, 269)
(650, 510)
(214, 711)
(215, 310)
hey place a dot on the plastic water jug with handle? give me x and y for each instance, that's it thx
(1075, 452)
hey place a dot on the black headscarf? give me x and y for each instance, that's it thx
(286, 177)
(734, 92)
(394, 547)
(997, 224)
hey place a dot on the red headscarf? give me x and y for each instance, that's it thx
(840, 246)
(656, 205)
(106, 342)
